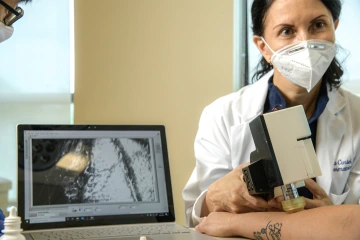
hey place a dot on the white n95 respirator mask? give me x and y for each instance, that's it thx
(305, 62)
(5, 32)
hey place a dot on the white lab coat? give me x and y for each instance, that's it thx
(224, 141)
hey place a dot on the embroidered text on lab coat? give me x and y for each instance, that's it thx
(342, 165)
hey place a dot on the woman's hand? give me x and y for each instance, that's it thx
(230, 194)
(320, 198)
(216, 224)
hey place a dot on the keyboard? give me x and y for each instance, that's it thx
(98, 232)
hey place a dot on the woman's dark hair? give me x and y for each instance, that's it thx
(259, 10)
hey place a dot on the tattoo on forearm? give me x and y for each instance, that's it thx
(270, 232)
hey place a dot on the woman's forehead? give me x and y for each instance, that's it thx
(292, 11)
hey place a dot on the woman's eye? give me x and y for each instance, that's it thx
(286, 31)
(319, 25)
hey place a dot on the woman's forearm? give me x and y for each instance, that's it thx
(258, 225)
(329, 222)
(334, 222)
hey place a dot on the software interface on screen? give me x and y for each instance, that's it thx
(81, 175)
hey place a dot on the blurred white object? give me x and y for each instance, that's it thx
(12, 230)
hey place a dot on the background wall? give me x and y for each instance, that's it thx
(153, 62)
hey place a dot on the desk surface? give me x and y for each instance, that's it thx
(233, 238)
(229, 238)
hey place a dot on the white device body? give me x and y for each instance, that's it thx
(290, 138)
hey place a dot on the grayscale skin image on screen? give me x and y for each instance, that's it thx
(93, 170)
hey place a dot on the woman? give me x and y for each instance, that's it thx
(311, 78)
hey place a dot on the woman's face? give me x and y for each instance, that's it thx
(292, 21)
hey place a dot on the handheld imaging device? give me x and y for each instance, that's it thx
(283, 158)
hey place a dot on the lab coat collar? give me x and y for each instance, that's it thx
(251, 102)
(336, 101)
(256, 94)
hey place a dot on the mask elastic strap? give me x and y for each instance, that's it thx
(268, 45)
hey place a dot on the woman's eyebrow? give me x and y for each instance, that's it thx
(290, 26)
(283, 25)
(322, 15)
